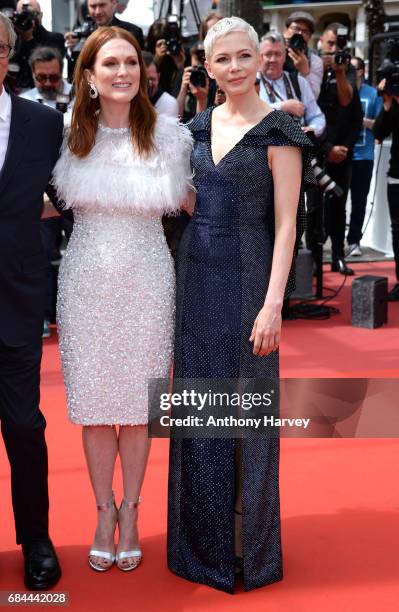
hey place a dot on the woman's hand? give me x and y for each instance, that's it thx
(48, 209)
(266, 332)
(188, 205)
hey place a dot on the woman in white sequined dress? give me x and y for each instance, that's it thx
(121, 168)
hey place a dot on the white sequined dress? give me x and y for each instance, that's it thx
(115, 309)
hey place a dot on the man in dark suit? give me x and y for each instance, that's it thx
(30, 139)
(102, 12)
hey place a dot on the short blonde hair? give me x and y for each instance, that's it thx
(227, 26)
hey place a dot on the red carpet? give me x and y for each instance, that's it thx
(340, 498)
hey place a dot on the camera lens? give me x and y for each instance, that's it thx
(198, 77)
(297, 42)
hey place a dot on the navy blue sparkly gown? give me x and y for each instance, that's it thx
(223, 269)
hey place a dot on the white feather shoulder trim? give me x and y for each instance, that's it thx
(114, 176)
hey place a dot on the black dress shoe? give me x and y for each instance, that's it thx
(393, 295)
(42, 569)
(339, 265)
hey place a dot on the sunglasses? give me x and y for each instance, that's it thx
(42, 78)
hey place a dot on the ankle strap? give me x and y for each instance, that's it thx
(130, 504)
(108, 504)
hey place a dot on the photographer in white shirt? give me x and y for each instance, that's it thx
(290, 93)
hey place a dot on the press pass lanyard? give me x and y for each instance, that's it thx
(272, 93)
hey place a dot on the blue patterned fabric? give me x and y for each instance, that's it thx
(223, 270)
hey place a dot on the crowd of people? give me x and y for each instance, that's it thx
(235, 97)
(330, 100)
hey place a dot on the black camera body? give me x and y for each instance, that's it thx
(25, 20)
(389, 69)
(342, 57)
(62, 102)
(297, 43)
(198, 76)
(87, 28)
(174, 45)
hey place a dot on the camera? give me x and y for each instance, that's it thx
(342, 57)
(174, 46)
(87, 28)
(324, 181)
(297, 43)
(62, 102)
(25, 20)
(198, 76)
(389, 69)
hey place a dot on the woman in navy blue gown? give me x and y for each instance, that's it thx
(234, 263)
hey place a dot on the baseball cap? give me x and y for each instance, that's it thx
(301, 16)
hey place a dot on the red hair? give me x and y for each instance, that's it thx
(142, 116)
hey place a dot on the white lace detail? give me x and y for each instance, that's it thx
(114, 176)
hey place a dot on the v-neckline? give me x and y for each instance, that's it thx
(238, 141)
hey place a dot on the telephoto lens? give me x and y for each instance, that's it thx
(324, 181)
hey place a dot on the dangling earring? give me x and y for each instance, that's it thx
(93, 91)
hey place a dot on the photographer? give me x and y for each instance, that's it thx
(386, 124)
(50, 88)
(163, 102)
(101, 13)
(300, 27)
(30, 35)
(285, 91)
(363, 157)
(164, 42)
(339, 100)
(197, 90)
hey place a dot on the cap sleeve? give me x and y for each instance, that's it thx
(281, 130)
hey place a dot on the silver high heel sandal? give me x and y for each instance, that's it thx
(129, 560)
(105, 558)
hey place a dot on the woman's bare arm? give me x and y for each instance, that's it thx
(286, 166)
